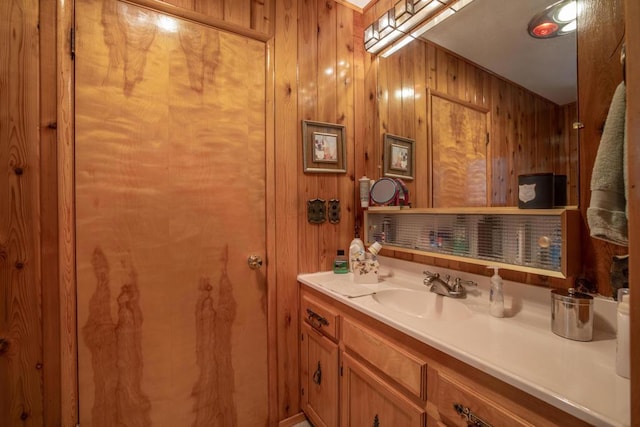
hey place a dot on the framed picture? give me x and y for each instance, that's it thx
(399, 158)
(324, 147)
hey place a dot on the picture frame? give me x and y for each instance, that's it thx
(324, 147)
(399, 157)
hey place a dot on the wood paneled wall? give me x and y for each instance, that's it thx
(318, 76)
(528, 133)
(26, 244)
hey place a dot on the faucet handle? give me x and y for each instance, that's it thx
(459, 281)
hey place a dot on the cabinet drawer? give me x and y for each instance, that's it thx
(320, 316)
(408, 369)
(460, 405)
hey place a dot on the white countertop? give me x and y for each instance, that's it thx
(520, 349)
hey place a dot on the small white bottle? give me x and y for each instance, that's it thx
(356, 252)
(622, 341)
(496, 296)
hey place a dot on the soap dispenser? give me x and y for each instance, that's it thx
(356, 251)
(496, 296)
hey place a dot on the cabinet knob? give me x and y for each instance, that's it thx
(376, 421)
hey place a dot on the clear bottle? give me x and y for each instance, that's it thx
(622, 338)
(340, 263)
(496, 296)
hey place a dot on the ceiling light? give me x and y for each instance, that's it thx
(567, 12)
(556, 20)
(397, 26)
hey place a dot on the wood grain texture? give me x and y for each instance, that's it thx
(49, 217)
(459, 150)
(173, 321)
(368, 400)
(66, 216)
(318, 377)
(632, 16)
(288, 155)
(316, 59)
(235, 15)
(21, 352)
(599, 73)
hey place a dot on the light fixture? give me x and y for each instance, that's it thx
(397, 26)
(556, 20)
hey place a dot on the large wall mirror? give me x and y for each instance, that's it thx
(485, 102)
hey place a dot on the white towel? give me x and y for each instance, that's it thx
(607, 212)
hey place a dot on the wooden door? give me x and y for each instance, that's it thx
(319, 377)
(366, 400)
(459, 153)
(170, 188)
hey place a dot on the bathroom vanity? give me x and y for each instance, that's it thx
(398, 355)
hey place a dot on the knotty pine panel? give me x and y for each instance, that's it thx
(21, 243)
(318, 60)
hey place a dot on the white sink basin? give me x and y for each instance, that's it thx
(423, 304)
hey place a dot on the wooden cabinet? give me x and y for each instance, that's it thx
(368, 400)
(371, 374)
(319, 368)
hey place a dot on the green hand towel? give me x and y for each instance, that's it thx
(607, 212)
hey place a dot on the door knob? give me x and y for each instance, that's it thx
(255, 262)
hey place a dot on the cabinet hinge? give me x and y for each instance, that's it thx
(301, 337)
(72, 43)
(341, 370)
(487, 138)
(302, 391)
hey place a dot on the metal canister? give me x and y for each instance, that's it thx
(572, 314)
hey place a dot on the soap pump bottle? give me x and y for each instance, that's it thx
(496, 296)
(356, 252)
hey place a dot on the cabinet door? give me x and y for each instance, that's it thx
(369, 401)
(319, 377)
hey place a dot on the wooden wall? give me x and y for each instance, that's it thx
(20, 244)
(528, 133)
(318, 76)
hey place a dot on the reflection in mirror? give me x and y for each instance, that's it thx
(485, 103)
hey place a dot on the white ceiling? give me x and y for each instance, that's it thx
(493, 34)
(360, 3)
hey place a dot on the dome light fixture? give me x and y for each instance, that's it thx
(556, 20)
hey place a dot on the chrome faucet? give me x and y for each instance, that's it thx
(442, 287)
